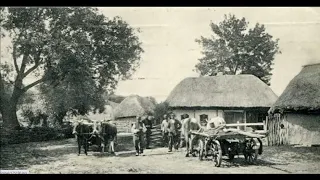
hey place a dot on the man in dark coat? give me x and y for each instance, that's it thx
(174, 127)
(148, 123)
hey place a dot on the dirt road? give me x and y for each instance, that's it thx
(61, 157)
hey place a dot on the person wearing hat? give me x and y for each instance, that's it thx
(138, 129)
(174, 126)
(147, 121)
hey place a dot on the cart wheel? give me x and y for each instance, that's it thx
(201, 149)
(217, 153)
(251, 153)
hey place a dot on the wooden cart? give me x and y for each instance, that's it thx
(228, 142)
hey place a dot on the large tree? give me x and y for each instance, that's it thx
(76, 51)
(236, 49)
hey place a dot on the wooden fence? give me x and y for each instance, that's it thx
(278, 130)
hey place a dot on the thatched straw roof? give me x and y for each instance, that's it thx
(302, 93)
(222, 91)
(134, 105)
(112, 104)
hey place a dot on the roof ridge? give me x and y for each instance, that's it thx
(312, 64)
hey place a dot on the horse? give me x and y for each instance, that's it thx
(188, 125)
(107, 133)
(84, 135)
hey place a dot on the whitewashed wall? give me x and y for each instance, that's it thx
(196, 113)
(303, 129)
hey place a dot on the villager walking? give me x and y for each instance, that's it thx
(164, 130)
(138, 129)
(148, 123)
(174, 126)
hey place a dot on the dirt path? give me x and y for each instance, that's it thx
(61, 157)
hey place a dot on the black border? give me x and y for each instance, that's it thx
(175, 3)
(161, 3)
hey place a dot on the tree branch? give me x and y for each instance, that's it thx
(33, 84)
(24, 63)
(236, 68)
(30, 70)
(36, 65)
(15, 59)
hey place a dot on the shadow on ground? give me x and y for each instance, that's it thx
(22, 156)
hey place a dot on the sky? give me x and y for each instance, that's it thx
(171, 53)
(168, 38)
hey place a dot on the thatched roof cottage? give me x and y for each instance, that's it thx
(132, 106)
(298, 110)
(243, 98)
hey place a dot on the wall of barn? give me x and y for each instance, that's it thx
(124, 124)
(304, 128)
(294, 129)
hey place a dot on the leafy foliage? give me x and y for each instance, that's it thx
(235, 49)
(77, 54)
(161, 109)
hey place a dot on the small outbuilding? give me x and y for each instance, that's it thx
(125, 113)
(295, 116)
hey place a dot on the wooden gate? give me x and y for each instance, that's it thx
(278, 130)
(156, 137)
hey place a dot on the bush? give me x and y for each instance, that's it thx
(35, 134)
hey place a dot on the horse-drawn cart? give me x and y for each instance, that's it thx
(220, 142)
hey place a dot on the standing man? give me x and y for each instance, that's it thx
(185, 117)
(138, 128)
(164, 130)
(148, 123)
(174, 126)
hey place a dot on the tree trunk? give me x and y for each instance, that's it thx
(9, 116)
(9, 110)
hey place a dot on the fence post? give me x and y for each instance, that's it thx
(265, 125)
(238, 127)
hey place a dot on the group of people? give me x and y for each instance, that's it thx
(141, 130)
(171, 131)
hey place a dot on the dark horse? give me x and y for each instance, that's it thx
(84, 135)
(107, 133)
(188, 125)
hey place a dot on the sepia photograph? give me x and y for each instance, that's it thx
(160, 90)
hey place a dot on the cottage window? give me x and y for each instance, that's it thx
(232, 117)
(203, 119)
(183, 116)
